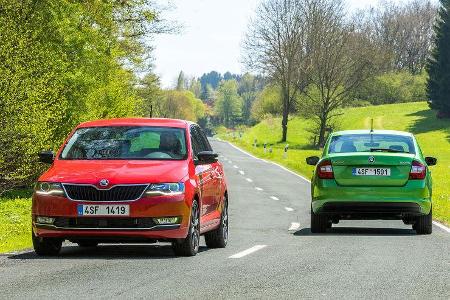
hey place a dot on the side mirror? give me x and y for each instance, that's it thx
(46, 157)
(312, 160)
(431, 161)
(206, 157)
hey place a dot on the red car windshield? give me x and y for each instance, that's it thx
(121, 142)
(371, 143)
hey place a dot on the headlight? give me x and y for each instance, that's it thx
(49, 188)
(165, 189)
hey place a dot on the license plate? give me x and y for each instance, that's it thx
(103, 210)
(371, 172)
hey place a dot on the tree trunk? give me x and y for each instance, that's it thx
(323, 125)
(284, 122)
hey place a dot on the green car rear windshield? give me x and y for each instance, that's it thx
(126, 142)
(371, 143)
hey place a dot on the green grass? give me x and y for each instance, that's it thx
(433, 136)
(15, 221)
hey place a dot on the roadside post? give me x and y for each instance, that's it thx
(265, 148)
(270, 149)
(254, 143)
(286, 148)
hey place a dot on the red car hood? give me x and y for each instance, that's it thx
(116, 172)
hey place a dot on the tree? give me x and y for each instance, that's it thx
(181, 81)
(196, 87)
(151, 94)
(439, 64)
(64, 62)
(403, 33)
(228, 103)
(268, 102)
(275, 47)
(211, 79)
(181, 105)
(247, 90)
(341, 59)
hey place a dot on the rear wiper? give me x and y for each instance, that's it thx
(386, 150)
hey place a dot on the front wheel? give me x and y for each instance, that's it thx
(46, 246)
(189, 246)
(424, 224)
(218, 238)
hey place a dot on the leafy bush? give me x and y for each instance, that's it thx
(393, 87)
(268, 102)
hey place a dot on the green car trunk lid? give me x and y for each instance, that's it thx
(345, 163)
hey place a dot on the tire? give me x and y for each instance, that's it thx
(46, 246)
(189, 246)
(319, 223)
(424, 224)
(87, 244)
(218, 238)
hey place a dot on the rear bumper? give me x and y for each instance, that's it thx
(413, 199)
(139, 225)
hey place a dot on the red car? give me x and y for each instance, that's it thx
(132, 180)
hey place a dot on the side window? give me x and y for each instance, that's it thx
(196, 142)
(206, 145)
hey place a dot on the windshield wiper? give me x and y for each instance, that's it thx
(387, 150)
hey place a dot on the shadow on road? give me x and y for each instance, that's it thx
(358, 231)
(108, 252)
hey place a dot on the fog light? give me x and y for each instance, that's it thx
(167, 220)
(45, 220)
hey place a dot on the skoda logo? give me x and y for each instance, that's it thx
(371, 159)
(104, 182)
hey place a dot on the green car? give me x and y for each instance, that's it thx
(371, 175)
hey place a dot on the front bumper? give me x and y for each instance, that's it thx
(138, 225)
(413, 199)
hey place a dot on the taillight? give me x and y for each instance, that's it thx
(418, 170)
(325, 170)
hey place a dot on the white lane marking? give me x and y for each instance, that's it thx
(289, 208)
(230, 162)
(259, 189)
(294, 226)
(442, 226)
(249, 180)
(248, 251)
(236, 167)
(241, 172)
(274, 198)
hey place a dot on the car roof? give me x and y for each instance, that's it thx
(366, 131)
(156, 122)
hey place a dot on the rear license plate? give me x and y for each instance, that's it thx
(371, 172)
(103, 210)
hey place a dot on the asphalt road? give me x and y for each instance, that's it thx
(356, 259)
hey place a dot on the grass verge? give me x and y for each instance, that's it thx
(433, 136)
(15, 221)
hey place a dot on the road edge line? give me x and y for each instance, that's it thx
(442, 226)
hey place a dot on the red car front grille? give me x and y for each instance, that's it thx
(116, 193)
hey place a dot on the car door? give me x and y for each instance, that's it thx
(204, 176)
(216, 173)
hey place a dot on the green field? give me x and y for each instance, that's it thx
(433, 136)
(15, 221)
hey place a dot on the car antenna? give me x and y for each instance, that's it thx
(371, 125)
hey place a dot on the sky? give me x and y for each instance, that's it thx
(210, 38)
